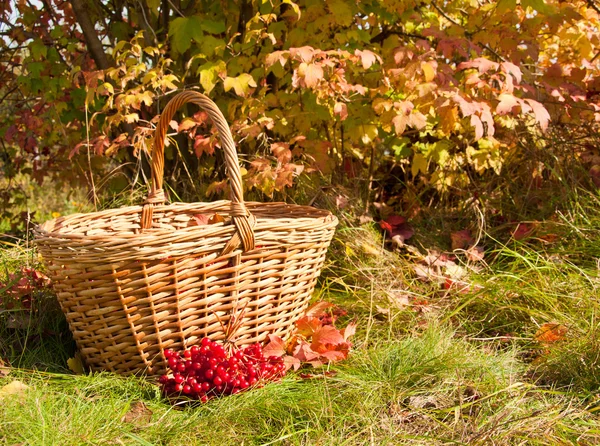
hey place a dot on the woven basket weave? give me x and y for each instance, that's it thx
(137, 280)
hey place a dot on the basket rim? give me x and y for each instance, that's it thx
(43, 229)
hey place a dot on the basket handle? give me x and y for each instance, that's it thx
(243, 220)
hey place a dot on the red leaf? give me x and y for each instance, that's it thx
(367, 58)
(395, 220)
(282, 152)
(482, 64)
(275, 347)
(506, 104)
(461, 239)
(386, 226)
(405, 231)
(203, 144)
(522, 231)
(304, 353)
(291, 361)
(313, 73)
(476, 122)
(341, 110)
(304, 53)
(201, 219)
(326, 336)
(541, 114)
(308, 325)
(512, 69)
(334, 355)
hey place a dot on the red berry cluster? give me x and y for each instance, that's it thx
(206, 371)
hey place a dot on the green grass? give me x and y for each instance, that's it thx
(429, 365)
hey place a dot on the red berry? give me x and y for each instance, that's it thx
(209, 374)
(178, 378)
(187, 388)
(217, 381)
(173, 362)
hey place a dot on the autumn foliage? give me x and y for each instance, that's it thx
(446, 90)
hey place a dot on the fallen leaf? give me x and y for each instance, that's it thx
(475, 253)
(201, 219)
(308, 325)
(399, 299)
(13, 388)
(216, 218)
(318, 309)
(550, 332)
(5, 369)
(275, 347)
(325, 336)
(75, 364)
(462, 239)
(138, 412)
(522, 231)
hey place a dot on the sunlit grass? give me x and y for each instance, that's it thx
(430, 365)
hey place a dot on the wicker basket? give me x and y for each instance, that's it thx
(136, 280)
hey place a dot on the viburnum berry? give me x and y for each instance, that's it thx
(207, 370)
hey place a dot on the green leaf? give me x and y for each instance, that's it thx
(240, 84)
(184, 30)
(38, 49)
(212, 27)
(211, 45)
(209, 74)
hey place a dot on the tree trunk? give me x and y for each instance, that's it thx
(91, 36)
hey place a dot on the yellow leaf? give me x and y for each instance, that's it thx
(428, 71)
(369, 249)
(240, 84)
(75, 365)
(419, 164)
(369, 133)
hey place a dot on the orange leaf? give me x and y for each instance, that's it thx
(308, 325)
(550, 332)
(325, 337)
(216, 218)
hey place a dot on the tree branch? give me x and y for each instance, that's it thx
(454, 22)
(592, 4)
